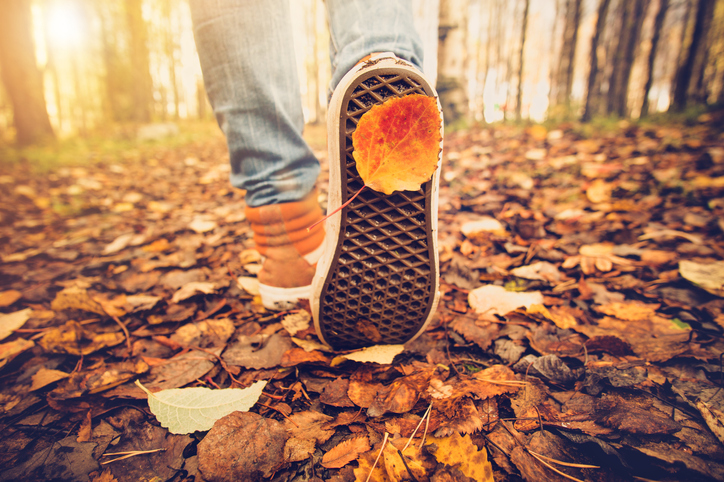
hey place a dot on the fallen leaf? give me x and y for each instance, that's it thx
(460, 452)
(346, 452)
(397, 143)
(75, 298)
(296, 322)
(561, 318)
(202, 225)
(542, 270)
(248, 284)
(492, 300)
(11, 349)
(713, 417)
(380, 354)
(192, 289)
(66, 459)
(74, 339)
(258, 351)
(118, 244)
(599, 191)
(187, 410)
(9, 297)
(45, 377)
(709, 276)
(243, 446)
(12, 321)
(485, 224)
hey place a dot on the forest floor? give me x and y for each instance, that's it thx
(579, 334)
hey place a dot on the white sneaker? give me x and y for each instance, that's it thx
(377, 281)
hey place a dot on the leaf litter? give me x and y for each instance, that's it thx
(578, 336)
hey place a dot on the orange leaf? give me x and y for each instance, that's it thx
(345, 452)
(397, 143)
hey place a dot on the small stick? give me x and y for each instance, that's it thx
(378, 457)
(125, 331)
(126, 455)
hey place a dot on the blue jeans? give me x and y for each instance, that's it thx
(247, 58)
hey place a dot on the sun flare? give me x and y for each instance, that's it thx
(64, 25)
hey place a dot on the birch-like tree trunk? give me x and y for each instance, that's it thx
(688, 78)
(658, 24)
(628, 40)
(452, 59)
(519, 96)
(592, 92)
(564, 79)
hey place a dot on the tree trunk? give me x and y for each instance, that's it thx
(658, 24)
(143, 84)
(23, 81)
(564, 78)
(170, 47)
(592, 93)
(631, 21)
(688, 78)
(519, 97)
(452, 35)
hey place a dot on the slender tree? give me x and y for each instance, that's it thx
(523, 28)
(140, 61)
(592, 91)
(658, 24)
(690, 74)
(20, 74)
(628, 39)
(564, 78)
(451, 54)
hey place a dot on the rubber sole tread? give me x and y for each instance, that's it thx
(380, 287)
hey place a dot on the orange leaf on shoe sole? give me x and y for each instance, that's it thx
(397, 143)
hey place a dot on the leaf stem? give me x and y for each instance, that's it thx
(338, 209)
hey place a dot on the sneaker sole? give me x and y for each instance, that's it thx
(377, 282)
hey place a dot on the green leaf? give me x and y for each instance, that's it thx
(681, 324)
(186, 410)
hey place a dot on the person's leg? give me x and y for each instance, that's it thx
(247, 58)
(377, 282)
(359, 28)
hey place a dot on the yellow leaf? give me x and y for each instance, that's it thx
(460, 452)
(397, 143)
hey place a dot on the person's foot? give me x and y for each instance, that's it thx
(377, 282)
(290, 251)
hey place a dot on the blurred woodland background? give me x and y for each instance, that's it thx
(71, 68)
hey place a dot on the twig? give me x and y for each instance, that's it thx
(277, 410)
(125, 331)
(404, 462)
(126, 455)
(566, 464)
(384, 441)
(553, 468)
(418, 426)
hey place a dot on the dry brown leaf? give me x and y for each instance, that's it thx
(9, 322)
(74, 339)
(346, 452)
(242, 446)
(45, 377)
(75, 298)
(9, 297)
(192, 289)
